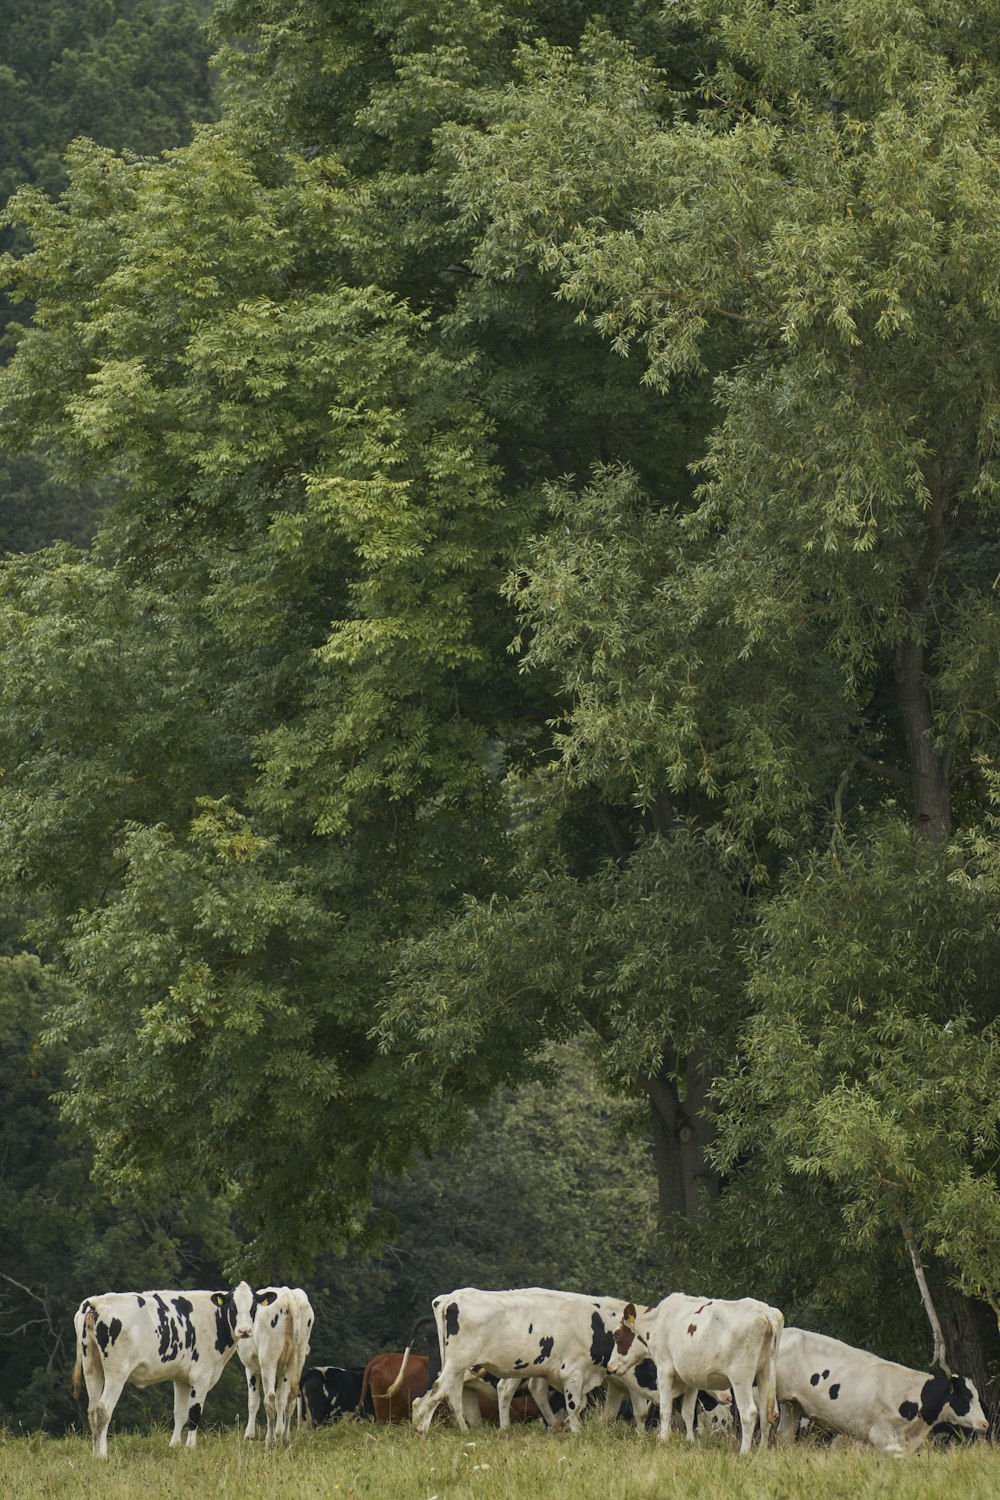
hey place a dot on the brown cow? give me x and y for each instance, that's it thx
(382, 1371)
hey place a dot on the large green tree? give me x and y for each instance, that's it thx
(806, 656)
(259, 736)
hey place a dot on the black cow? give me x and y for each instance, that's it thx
(329, 1392)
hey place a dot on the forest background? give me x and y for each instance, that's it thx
(498, 721)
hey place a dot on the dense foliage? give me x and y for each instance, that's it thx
(551, 592)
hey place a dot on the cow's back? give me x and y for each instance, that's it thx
(708, 1339)
(157, 1335)
(527, 1331)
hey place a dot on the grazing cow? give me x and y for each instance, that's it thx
(858, 1394)
(703, 1342)
(713, 1413)
(148, 1337)
(329, 1392)
(274, 1358)
(531, 1333)
(392, 1397)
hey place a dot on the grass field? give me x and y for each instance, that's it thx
(348, 1462)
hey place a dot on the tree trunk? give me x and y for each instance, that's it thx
(928, 766)
(970, 1331)
(683, 1128)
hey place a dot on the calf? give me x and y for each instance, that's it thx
(147, 1337)
(547, 1337)
(858, 1394)
(703, 1342)
(274, 1357)
(329, 1392)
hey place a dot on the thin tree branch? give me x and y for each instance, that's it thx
(940, 1357)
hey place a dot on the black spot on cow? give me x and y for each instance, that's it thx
(571, 1404)
(451, 1320)
(959, 1396)
(814, 1379)
(167, 1332)
(941, 1391)
(545, 1350)
(252, 1381)
(193, 1417)
(274, 1321)
(223, 1331)
(141, 1300)
(826, 1374)
(184, 1309)
(908, 1410)
(645, 1374)
(603, 1342)
(531, 1328)
(520, 1364)
(701, 1309)
(834, 1391)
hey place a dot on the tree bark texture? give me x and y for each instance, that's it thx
(683, 1128)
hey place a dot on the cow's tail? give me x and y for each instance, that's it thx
(420, 1323)
(85, 1326)
(768, 1374)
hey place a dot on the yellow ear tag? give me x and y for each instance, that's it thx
(630, 1322)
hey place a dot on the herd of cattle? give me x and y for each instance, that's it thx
(513, 1355)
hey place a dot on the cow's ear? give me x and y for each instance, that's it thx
(628, 1316)
(219, 1298)
(266, 1298)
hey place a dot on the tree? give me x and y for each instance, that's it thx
(817, 637)
(256, 739)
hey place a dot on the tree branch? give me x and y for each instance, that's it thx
(940, 1357)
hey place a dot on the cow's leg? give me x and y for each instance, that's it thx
(506, 1391)
(689, 1403)
(746, 1405)
(574, 1390)
(760, 1390)
(284, 1414)
(270, 1384)
(470, 1407)
(665, 1391)
(539, 1390)
(445, 1388)
(790, 1416)
(101, 1414)
(187, 1412)
(253, 1403)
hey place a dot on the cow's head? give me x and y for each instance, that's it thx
(237, 1309)
(630, 1345)
(952, 1398)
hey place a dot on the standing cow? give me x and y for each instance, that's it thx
(148, 1337)
(703, 1342)
(275, 1357)
(546, 1337)
(858, 1394)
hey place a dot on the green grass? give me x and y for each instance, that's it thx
(348, 1462)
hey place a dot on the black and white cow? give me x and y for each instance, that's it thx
(706, 1343)
(530, 1333)
(275, 1357)
(857, 1394)
(148, 1337)
(329, 1392)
